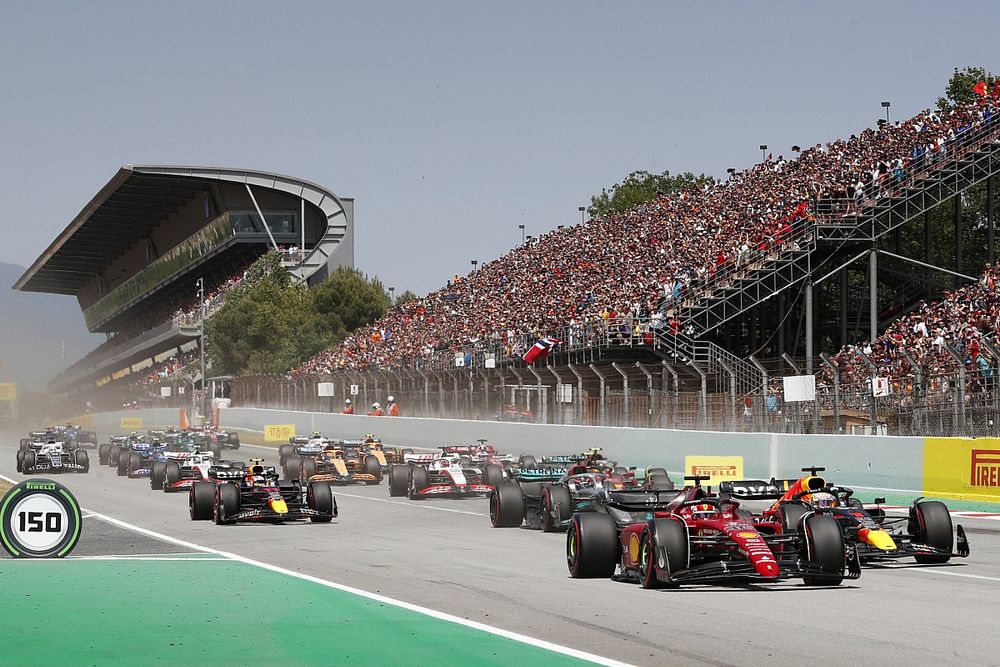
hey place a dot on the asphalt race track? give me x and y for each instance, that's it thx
(444, 555)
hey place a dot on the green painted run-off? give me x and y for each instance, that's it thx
(89, 612)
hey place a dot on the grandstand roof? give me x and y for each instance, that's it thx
(137, 199)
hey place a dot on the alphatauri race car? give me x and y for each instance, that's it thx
(668, 538)
(256, 494)
(926, 533)
(50, 456)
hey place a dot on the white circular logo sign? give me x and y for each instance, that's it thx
(39, 518)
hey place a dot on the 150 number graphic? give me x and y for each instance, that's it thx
(33, 522)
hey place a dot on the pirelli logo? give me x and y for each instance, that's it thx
(726, 472)
(985, 467)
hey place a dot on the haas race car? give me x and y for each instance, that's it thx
(435, 475)
(49, 456)
(256, 494)
(925, 533)
(669, 538)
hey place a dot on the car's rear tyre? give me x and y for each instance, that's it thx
(20, 460)
(493, 474)
(398, 480)
(527, 461)
(292, 466)
(373, 468)
(592, 545)
(791, 515)
(285, 452)
(201, 500)
(216, 450)
(83, 459)
(227, 503)
(507, 506)
(664, 547)
(23, 445)
(419, 480)
(114, 455)
(824, 545)
(556, 500)
(933, 528)
(156, 476)
(171, 475)
(121, 468)
(103, 454)
(234, 440)
(319, 497)
(307, 469)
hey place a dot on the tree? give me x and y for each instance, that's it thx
(405, 297)
(959, 88)
(347, 300)
(640, 187)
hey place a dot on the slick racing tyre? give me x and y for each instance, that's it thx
(557, 506)
(216, 450)
(527, 461)
(592, 546)
(156, 475)
(114, 455)
(134, 463)
(28, 464)
(319, 497)
(171, 475)
(493, 474)
(285, 452)
(20, 460)
(824, 545)
(668, 540)
(933, 528)
(23, 445)
(227, 504)
(307, 469)
(201, 498)
(507, 506)
(791, 515)
(234, 440)
(398, 480)
(82, 459)
(293, 467)
(103, 454)
(418, 481)
(374, 468)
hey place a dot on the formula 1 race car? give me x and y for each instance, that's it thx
(300, 446)
(387, 456)
(74, 436)
(547, 498)
(256, 494)
(337, 464)
(925, 534)
(38, 456)
(667, 538)
(431, 475)
(181, 464)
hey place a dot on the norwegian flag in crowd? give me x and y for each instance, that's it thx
(540, 350)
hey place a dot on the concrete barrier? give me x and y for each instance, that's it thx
(869, 462)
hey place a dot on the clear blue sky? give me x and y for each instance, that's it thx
(449, 122)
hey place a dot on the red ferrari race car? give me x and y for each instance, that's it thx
(668, 538)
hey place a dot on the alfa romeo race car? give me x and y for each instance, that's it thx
(180, 464)
(74, 436)
(50, 456)
(337, 464)
(300, 446)
(667, 538)
(432, 475)
(925, 534)
(256, 494)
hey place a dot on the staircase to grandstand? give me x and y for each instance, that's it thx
(739, 286)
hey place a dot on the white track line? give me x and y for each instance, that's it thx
(408, 504)
(524, 639)
(194, 559)
(929, 570)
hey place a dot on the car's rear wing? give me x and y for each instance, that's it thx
(635, 500)
(566, 458)
(756, 489)
(538, 474)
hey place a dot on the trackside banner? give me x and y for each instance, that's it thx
(131, 423)
(962, 468)
(717, 468)
(278, 432)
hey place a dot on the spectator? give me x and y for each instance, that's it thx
(348, 408)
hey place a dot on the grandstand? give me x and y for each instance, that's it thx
(721, 288)
(133, 256)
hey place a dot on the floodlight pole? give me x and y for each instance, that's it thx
(204, 384)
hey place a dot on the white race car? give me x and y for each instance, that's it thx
(50, 456)
(429, 475)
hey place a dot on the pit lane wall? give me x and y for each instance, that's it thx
(958, 468)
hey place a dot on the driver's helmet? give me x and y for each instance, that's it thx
(705, 511)
(821, 499)
(317, 434)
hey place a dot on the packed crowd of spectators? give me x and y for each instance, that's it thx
(966, 320)
(639, 264)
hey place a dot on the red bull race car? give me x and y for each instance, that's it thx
(664, 539)
(926, 533)
(257, 495)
